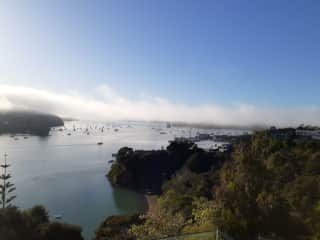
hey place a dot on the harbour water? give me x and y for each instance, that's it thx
(66, 171)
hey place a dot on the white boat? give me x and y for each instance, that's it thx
(57, 216)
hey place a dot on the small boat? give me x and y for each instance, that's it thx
(114, 154)
(69, 134)
(57, 216)
(110, 161)
(100, 143)
(25, 137)
(116, 130)
(163, 133)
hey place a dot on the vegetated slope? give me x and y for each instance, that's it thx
(34, 224)
(28, 122)
(269, 186)
(147, 170)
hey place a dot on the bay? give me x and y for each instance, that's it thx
(66, 171)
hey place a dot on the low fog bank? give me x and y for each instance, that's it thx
(107, 105)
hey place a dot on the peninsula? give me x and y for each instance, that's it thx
(26, 122)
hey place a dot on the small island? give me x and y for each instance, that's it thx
(26, 122)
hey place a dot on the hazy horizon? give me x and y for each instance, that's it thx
(224, 63)
(107, 105)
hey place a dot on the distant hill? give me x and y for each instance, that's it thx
(35, 123)
(217, 126)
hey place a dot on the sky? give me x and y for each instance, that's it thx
(221, 62)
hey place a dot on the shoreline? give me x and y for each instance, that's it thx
(151, 205)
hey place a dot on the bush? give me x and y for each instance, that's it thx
(116, 227)
(34, 224)
(58, 231)
(199, 162)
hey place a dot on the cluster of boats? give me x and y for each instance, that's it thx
(89, 129)
(16, 137)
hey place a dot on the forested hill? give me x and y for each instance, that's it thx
(28, 122)
(269, 186)
(146, 171)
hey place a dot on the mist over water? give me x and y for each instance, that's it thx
(105, 104)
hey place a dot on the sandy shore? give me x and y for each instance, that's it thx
(152, 205)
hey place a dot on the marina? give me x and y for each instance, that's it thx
(66, 172)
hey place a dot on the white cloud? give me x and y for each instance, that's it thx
(107, 104)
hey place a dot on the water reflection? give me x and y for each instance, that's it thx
(127, 201)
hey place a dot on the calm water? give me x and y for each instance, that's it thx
(66, 173)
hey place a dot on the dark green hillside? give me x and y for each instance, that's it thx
(21, 122)
(269, 186)
(147, 170)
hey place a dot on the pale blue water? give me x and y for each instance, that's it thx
(66, 174)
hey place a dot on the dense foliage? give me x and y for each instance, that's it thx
(269, 186)
(34, 224)
(116, 227)
(146, 170)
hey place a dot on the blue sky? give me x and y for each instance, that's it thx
(261, 53)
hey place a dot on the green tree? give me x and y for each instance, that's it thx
(199, 162)
(58, 231)
(6, 187)
(165, 224)
(203, 216)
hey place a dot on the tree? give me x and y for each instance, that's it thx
(57, 231)
(199, 162)
(164, 224)
(6, 187)
(39, 215)
(203, 216)
(116, 227)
